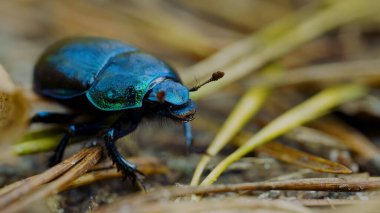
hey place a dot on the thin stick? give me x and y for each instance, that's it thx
(314, 184)
(88, 162)
(14, 191)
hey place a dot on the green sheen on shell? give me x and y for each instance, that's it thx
(125, 80)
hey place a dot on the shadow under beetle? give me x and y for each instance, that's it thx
(113, 83)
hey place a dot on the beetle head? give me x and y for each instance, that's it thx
(173, 100)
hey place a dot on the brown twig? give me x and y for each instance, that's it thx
(14, 191)
(105, 170)
(315, 184)
(92, 156)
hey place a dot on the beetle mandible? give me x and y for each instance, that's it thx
(115, 85)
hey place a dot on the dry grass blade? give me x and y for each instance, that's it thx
(303, 159)
(120, 18)
(170, 26)
(245, 109)
(311, 109)
(14, 191)
(335, 15)
(279, 151)
(14, 111)
(92, 156)
(364, 70)
(233, 52)
(352, 138)
(38, 141)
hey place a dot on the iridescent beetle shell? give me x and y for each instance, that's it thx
(112, 75)
(94, 75)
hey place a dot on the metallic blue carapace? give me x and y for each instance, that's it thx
(124, 81)
(69, 67)
(118, 82)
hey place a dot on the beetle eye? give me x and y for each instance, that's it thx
(161, 96)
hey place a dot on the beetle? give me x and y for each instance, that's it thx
(115, 85)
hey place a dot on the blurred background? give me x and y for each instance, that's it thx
(316, 43)
(181, 32)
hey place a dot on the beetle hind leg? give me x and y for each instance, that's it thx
(52, 117)
(59, 150)
(72, 131)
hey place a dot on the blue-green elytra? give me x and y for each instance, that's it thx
(116, 85)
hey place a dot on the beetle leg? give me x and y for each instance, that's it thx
(189, 140)
(112, 135)
(188, 135)
(72, 131)
(52, 117)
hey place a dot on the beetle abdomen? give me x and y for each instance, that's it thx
(69, 67)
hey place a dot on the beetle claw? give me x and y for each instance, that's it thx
(132, 174)
(129, 172)
(51, 163)
(53, 160)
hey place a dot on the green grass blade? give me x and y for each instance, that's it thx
(38, 141)
(309, 110)
(246, 108)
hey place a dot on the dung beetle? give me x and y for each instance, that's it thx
(115, 85)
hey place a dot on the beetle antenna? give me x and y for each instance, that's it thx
(161, 96)
(215, 76)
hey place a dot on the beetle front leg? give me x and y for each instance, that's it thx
(188, 135)
(127, 168)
